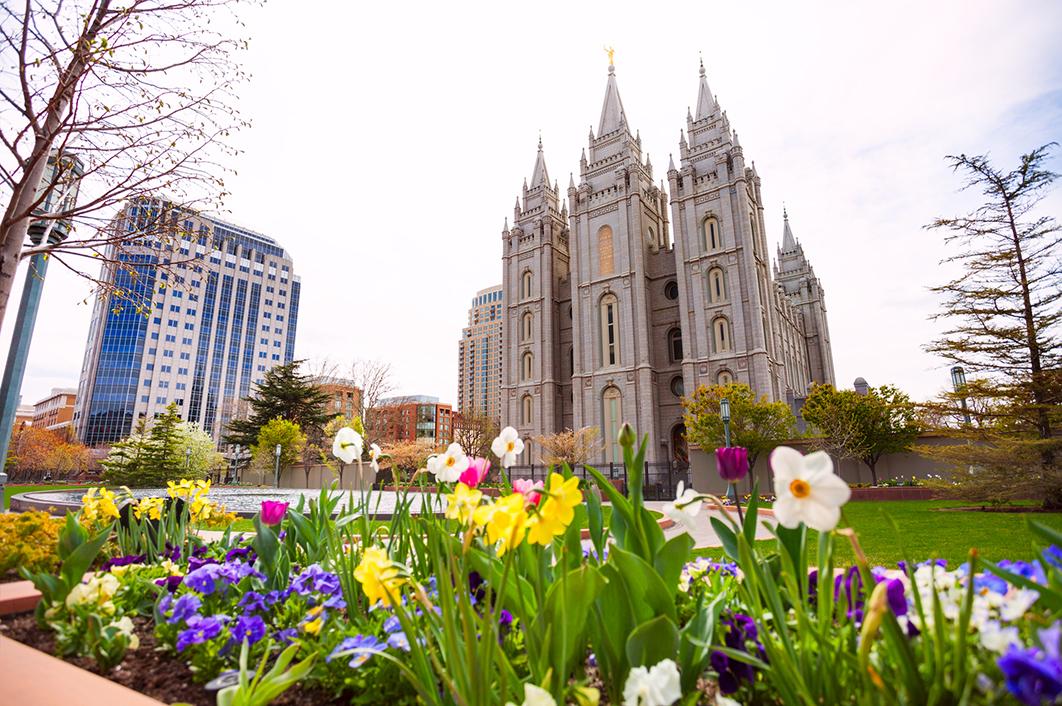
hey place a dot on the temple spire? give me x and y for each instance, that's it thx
(788, 241)
(540, 177)
(706, 104)
(612, 115)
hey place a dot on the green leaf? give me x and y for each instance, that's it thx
(561, 624)
(79, 561)
(751, 513)
(695, 641)
(596, 521)
(653, 641)
(727, 537)
(669, 561)
(792, 542)
(1048, 534)
(649, 594)
(72, 536)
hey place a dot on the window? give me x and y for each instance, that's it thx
(716, 286)
(525, 285)
(526, 410)
(525, 327)
(525, 368)
(609, 330)
(678, 389)
(671, 290)
(674, 345)
(713, 238)
(571, 360)
(721, 335)
(610, 400)
(605, 260)
(725, 378)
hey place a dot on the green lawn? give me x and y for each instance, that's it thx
(10, 490)
(927, 531)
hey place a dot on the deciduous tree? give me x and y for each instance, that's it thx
(277, 432)
(576, 447)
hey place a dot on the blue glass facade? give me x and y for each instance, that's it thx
(293, 319)
(111, 414)
(218, 359)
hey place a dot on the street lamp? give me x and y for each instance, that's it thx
(958, 383)
(724, 414)
(61, 181)
(188, 459)
(276, 471)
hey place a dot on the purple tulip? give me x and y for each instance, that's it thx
(732, 462)
(273, 512)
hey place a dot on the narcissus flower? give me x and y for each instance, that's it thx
(347, 445)
(379, 577)
(657, 686)
(505, 521)
(150, 507)
(374, 457)
(535, 696)
(807, 490)
(461, 503)
(507, 446)
(684, 509)
(448, 466)
(556, 511)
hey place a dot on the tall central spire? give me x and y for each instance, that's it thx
(612, 115)
(705, 100)
(788, 241)
(540, 177)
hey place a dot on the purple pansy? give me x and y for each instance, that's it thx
(362, 647)
(171, 583)
(398, 641)
(249, 627)
(199, 630)
(204, 579)
(1034, 675)
(184, 609)
(122, 561)
(252, 602)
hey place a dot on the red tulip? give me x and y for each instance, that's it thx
(732, 462)
(273, 512)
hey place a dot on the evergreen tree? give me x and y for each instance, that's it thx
(151, 456)
(284, 393)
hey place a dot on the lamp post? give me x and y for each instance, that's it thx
(276, 471)
(724, 414)
(958, 383)
(188, 459)
(61, 180)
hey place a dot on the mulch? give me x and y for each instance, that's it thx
(151, 671)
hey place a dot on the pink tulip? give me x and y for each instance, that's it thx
(528, 489)
(732, 462)
(273, 512)
(475, 473)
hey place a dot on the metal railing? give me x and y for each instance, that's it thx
(38, 476)
(659, 480)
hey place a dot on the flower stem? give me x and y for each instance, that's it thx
(737, 502)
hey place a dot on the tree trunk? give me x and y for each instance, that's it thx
(873, 466)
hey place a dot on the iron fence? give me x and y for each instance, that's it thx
(659, 480)
(38, 476)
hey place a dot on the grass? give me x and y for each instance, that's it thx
(928, 531)
(10, 490)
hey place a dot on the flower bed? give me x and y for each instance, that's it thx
(893, 493)
(496, 600)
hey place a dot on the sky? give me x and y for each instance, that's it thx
(389, 140)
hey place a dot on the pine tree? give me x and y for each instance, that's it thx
(151, 456)
(283, 394)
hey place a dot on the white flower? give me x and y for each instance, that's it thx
(685, 508)
(448, 466)
(347, 445)
(535, 696)
(374, 457)
(1017, 604)
(996, 638)
(507, 446)
(125, 626)
(806, 489)
(721, 700)
(658, 686)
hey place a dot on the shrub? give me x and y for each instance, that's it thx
(28, 539)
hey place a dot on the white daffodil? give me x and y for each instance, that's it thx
(374, 457)
(347, 445)
(1017, 603)
(685, 508)
(658, 686)
(507, 446)
(535, 696)
(448, 466)
(806, 489)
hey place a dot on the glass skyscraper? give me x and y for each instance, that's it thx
(200, 309)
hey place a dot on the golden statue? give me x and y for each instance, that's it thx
(610, 51)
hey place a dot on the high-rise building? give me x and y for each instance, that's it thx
(610, 320)
(479, 359)
(224, 304)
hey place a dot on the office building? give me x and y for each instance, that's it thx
(207, 307)
(56, 411)
(479, 357)
(415, 418)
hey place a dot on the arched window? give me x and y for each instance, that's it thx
(525, 326)
(525, 285)
(713, 237)
(716, 286)
(612, 414)
(525, 368)
(674, 345)
(526, 410)
(721, 335)
(609, 330)
(604, 251)
(724, 377)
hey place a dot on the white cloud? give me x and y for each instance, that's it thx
(390, 140)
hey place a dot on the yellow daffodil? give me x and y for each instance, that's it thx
(505, 521)
(151, 507)
(461, 503)
(379, 577)
(98, 504)
(557, 511)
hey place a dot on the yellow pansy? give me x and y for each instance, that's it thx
(461, 503)
(505, 521)
(379, 577)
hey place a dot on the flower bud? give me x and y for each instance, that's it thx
(626, 436)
